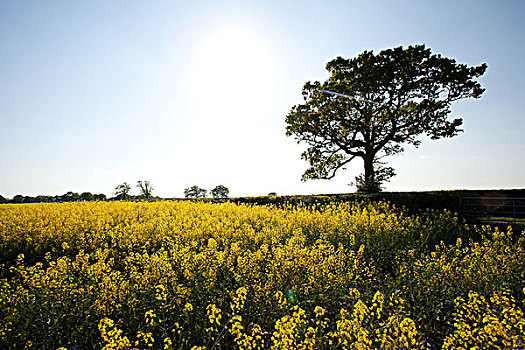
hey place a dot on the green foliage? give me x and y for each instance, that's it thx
(195, 192)
(68, 197)
(145, 188)
(87, 196)
(413, 202)
(122, 191)
(374, 104)
(220, 191)
(382, 174)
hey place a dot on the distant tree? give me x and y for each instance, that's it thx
(43, 199)
(374, 104)
(122, 191)
(100, 197)
(18, 199)
(145, 188)
(87, 196)
(272, 194)
(220, 191)
(2, 199)
(29, 199)
(70, 197)
(195, 192)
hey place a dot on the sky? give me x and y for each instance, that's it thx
(182, 93)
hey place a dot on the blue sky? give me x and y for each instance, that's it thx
(185, 93)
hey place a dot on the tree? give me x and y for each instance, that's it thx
(18, 199)
(87, 196)
(100, 197)
(69, 197)
(220, 191)
(145, 188)
(195, 192)
(122, 191)
(372, 105)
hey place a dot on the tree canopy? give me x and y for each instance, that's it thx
(145, 188)
(123, 190)
(374, 104)
(220, 191)
(195, 192)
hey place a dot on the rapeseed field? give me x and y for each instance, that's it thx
(195, 275)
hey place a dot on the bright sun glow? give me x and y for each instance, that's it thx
(231, 76)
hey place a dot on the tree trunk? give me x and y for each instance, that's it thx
(370, 185)
(369, 168)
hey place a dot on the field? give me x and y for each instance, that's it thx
(196, 275)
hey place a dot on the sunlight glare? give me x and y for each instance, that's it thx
(231, 76)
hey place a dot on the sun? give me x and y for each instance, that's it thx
(232, 71)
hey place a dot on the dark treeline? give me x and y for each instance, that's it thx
(414, 202)
(68, 197)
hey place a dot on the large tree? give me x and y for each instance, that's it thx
(374, 104)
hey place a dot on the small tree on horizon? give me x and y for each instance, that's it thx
(87, 196)
(220, 191)
(195, 192)
(122, 191)
(145, 189)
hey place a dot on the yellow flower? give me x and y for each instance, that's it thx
(188, 307)
(319, 311)
(167, 343)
